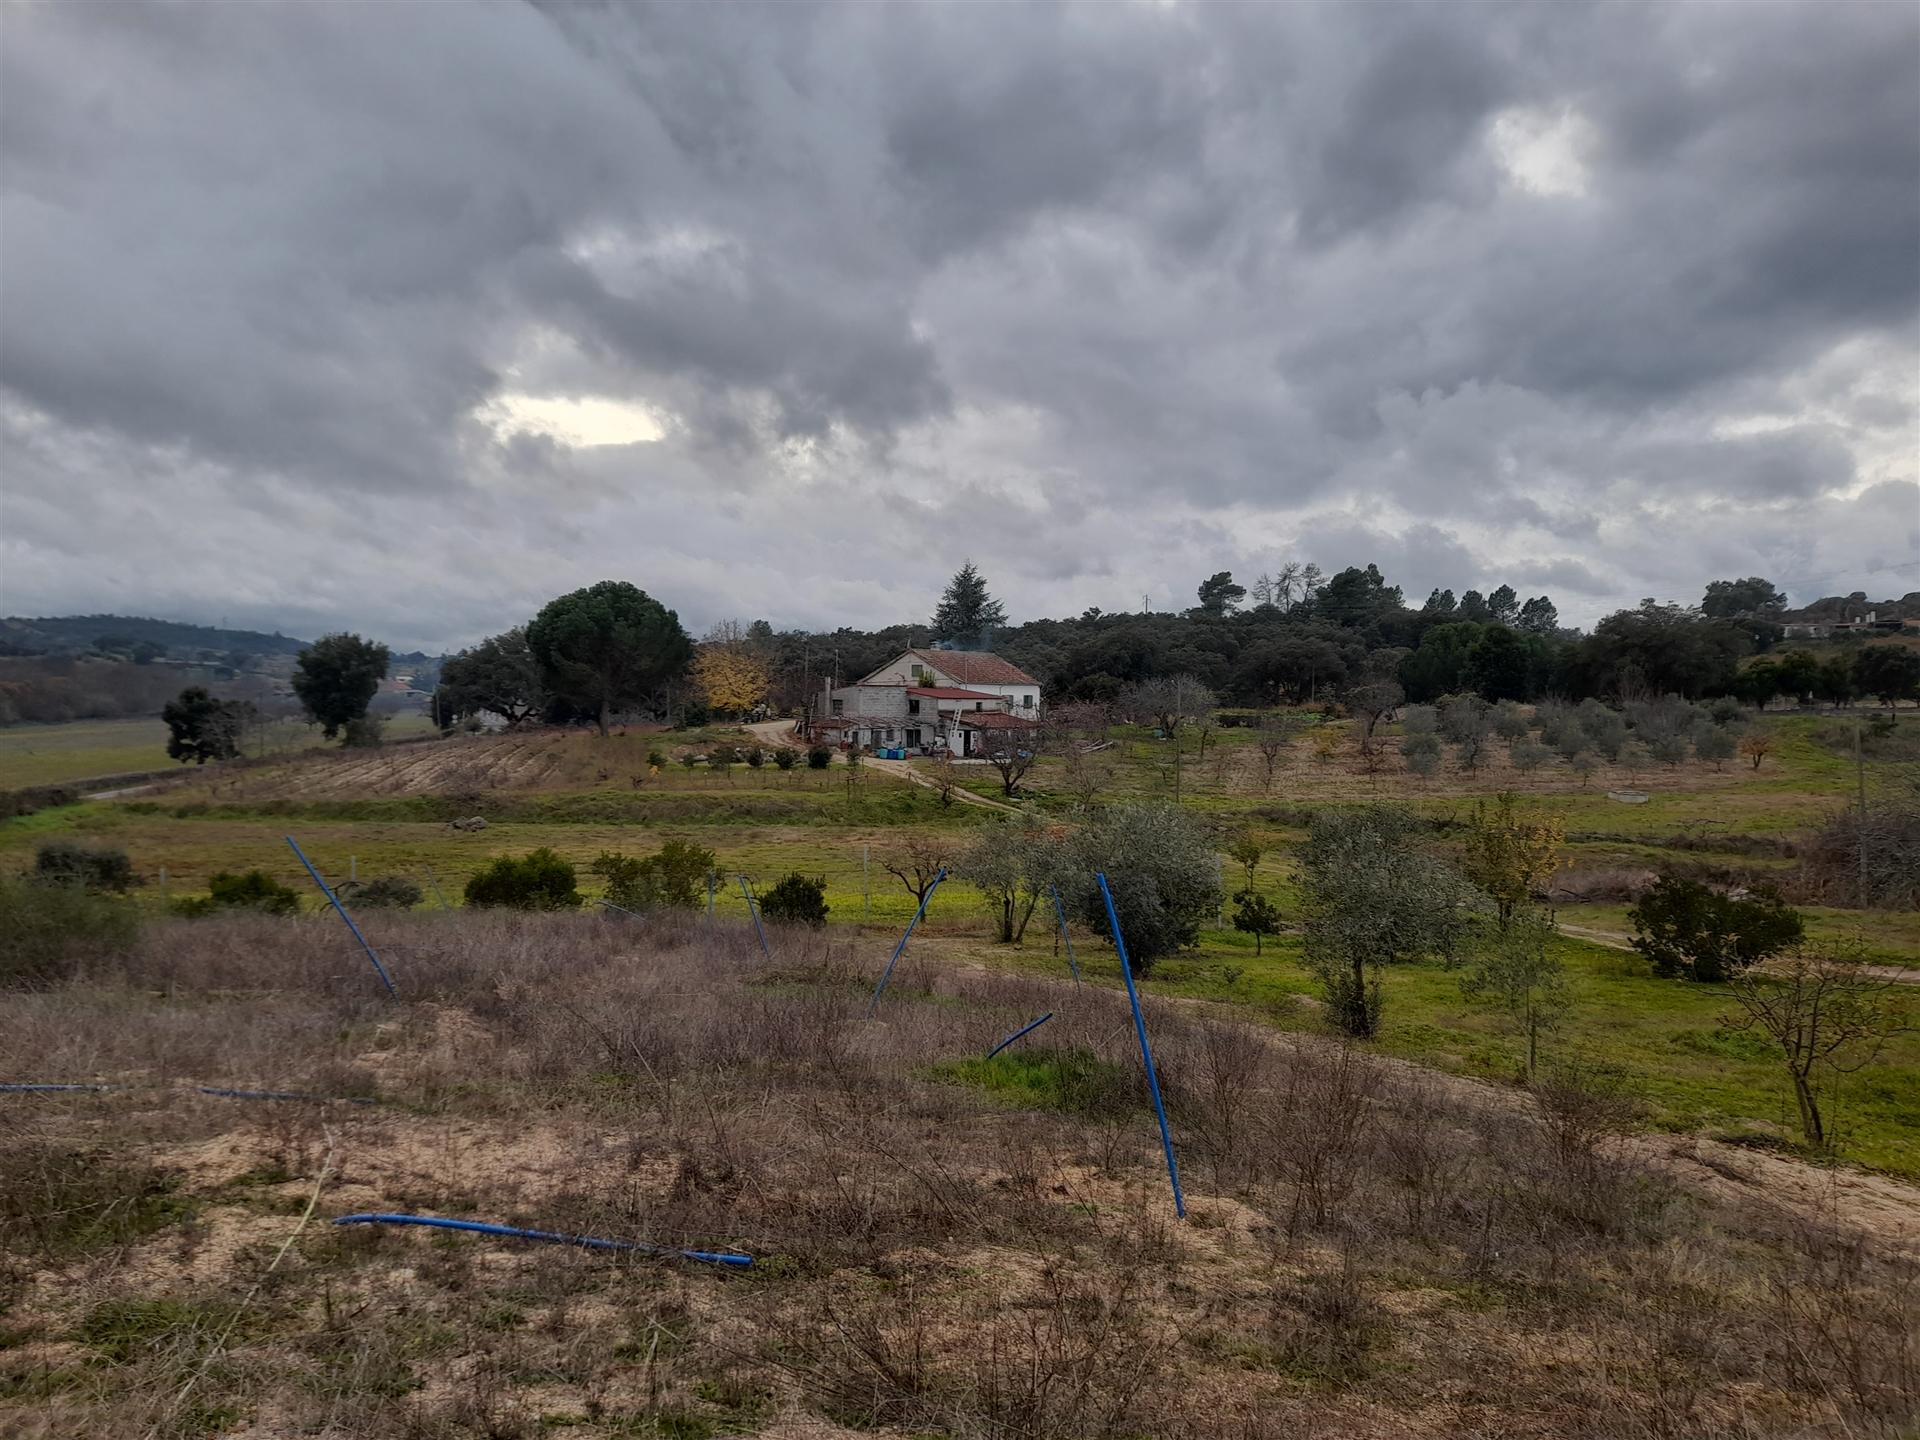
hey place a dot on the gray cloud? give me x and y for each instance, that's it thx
(1107, 297)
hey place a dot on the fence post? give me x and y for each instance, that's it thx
(1146, 1051)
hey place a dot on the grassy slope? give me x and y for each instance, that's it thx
(80, 749)
(1663, 1036)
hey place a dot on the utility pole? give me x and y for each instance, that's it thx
(1860, 826)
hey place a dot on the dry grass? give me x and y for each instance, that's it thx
(947, 1248)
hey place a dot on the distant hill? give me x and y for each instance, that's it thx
(77, 634)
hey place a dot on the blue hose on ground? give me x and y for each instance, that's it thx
(1030, 1025)
(588, 1242)
(44, 1089)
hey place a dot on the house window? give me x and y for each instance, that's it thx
(913, 737)
(1027, 700)
(978, 703)
(913, 705)
(838, 706)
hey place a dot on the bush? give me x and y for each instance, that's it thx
(1421, 753)
(1690, 931)
(756, 757)
(1714, 744)
(1510, 722)
(721, 756)
(783, 758)
(796, 900)
(538, 881)
(1528, 755)
(674, 878)
(819, 757)
(657, 758)
(255, 890)
(365, 733)
(47, 930)
(67, 862)
(388, 892)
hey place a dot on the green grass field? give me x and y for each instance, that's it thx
(384, 812)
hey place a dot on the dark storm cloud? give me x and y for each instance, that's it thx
(1595, 297)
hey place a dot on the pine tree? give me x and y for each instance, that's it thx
(967, 609)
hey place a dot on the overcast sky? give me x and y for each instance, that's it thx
(407, 317)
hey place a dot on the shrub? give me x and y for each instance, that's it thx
(1668, 749)
(797, 900)
(783, 758)
(365, 733)
(657, 758)
(1691, 931)
(1510, 722)
(819, 757)
(756, 757)
(1419, 720)
(537, 881)
(46, 930)
(1528, 755)
(721, 756)
(388, 892)
(255, 890)
(67, 862)
(673, 878)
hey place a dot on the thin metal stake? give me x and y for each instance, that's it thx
(871, 1004)
(1060, 911)
(754, 911)
(334, 900)
(1146, 1051)
(436, 888)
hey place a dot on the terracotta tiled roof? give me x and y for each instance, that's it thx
(940, 692)
(974, 667)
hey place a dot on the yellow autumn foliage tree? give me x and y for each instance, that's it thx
(732, 679)
(1509, 857)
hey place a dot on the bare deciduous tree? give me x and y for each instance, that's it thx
(1277, 732)
(1827, 1012)
(1170, 700)
(1013, 749)
(918, 863)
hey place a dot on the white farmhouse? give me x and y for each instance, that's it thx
(923, 701)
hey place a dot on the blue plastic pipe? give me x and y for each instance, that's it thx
(754, 911)
(1060, 911)
(874, 1003)
(334, 900)
(48, 1089)
(1146, 1051)
(621, 908)
(1030, 1025)
(588, 1242)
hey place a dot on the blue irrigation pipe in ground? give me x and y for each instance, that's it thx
(334, 900)
(588, 1242)
(1030, 1025)
(754, 911)
(1060, 910)
(621, 908)
(282, 1095)
(1146, 1051)
(873, 1003)
(50, 1089)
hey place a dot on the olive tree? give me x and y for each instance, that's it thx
(1514, 966)
(1163, 872)
(1015, 863)
(1369, 898)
